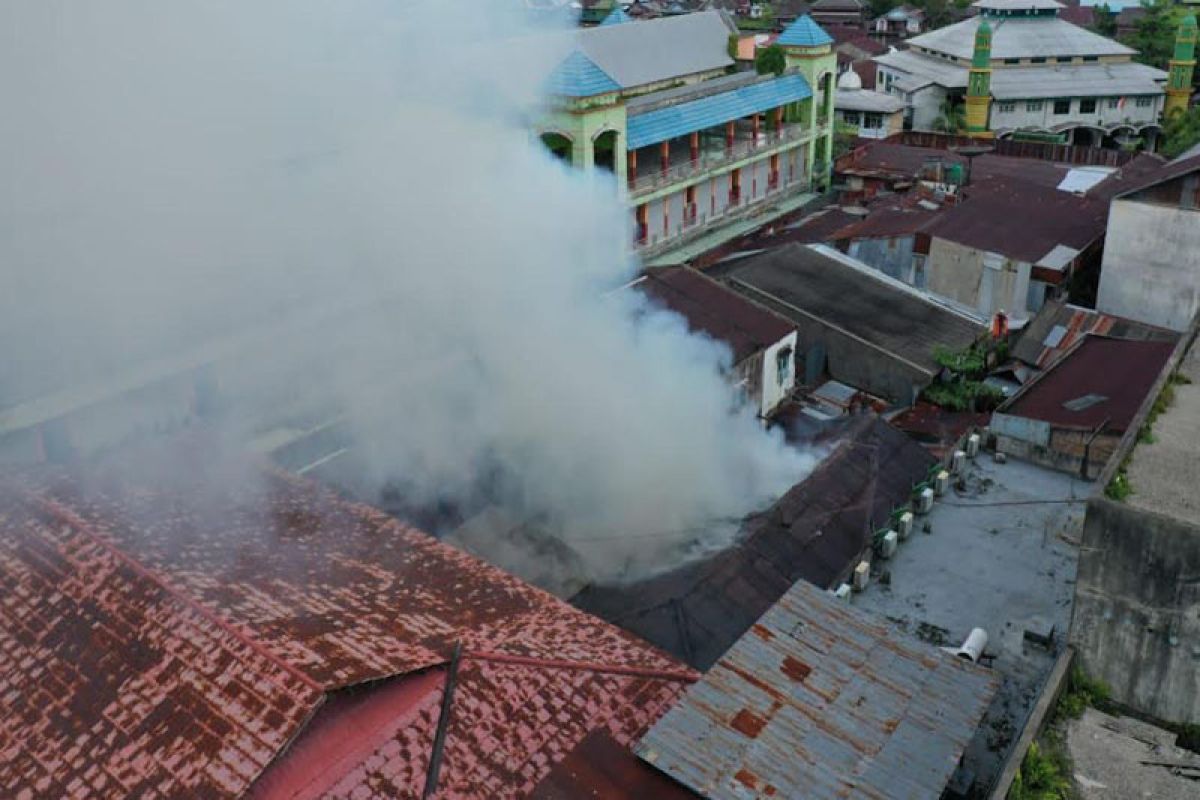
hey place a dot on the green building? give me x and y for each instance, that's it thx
(694, 145)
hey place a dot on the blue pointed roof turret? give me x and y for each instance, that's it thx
(578, 76)
(617, 17)
(804, 33)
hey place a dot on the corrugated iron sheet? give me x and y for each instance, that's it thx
(662, 124)
(819, 700)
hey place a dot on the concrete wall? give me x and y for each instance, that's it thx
(982, 280)
(773, 389)
(1151, 266)
(1137, 609)
(859, 364)
(1043, 116)
(1074, 452)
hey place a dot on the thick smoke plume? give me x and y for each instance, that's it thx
(361, 175)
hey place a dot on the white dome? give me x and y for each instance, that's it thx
(849, 80)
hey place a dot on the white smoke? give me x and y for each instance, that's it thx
(172, 172)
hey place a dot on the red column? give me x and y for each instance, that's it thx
(779, 120)
(632, 171)
(754, 128)
(665, 154)
(729, 136)
(643, 222)
(695, 142)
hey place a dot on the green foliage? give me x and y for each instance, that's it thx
(963, 395)
(971, 363)
(1043, 776)
(1106, 21)
(951, 117)
(1119, 487)
(843, 139)
(1154, 33)
(1082, 692)
(731, 46)
(770, 60)
(881, 7)
(1181, 130)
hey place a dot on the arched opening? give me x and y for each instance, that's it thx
(1084, 137)
(561, 146)
(1150, 135)
(604, 149)
(1122, 137)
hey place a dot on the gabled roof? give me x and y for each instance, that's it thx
(822, 701)
(714, 309)
(1020, 38)
(578, 76)
(667, 122)
(171, 618)
(1077, 80)
(659, 49)
(617, 17)
(815, 532)
(804, 32)
(1110, 376)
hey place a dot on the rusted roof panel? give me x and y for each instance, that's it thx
(112, 686)
(820, 700)
(1058, 326)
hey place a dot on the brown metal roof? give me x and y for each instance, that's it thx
(172, 616)
(814, 532)
(1058, 326)
(819, 700)
(1117, 371)
(715, 310)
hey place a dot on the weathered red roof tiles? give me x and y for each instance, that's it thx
(185, 616)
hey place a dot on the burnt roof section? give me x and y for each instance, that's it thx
(715, 310)
(819, 700)
(1058, 326)
(173, 616)
(1114, 375)
(815, 532)
(802, 283)
(1020, 220)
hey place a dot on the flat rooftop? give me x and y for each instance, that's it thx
(1164, 473)
(1000, 554)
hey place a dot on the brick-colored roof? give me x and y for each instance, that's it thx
(186, 614)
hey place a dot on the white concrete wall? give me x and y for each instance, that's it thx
(1151, 266)
(986, 281)
(926, 104)
(774, 391)
(1044, 117)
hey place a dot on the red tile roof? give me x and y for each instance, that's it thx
(1120, 372)
(186, 615)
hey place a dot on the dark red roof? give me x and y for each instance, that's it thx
(172, 618)
(1021, 220)
(1118, 372)
(715, 310)
(886, 222)
(1083, 16)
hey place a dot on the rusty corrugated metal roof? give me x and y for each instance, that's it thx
(820, 700)
(172, 617)
(1059, 325)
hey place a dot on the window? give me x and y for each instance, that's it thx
(783, 366)
(1062, 107)
(1006, 108)
(1063, 59)
(1012, 61)
(1114, 102)
(1033, 105)
(1087, 106)
(1090, 59)
(872, 121)
(1038, 60)
(851, 117)
(1145, 102)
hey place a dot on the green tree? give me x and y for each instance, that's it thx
(1154, 33)
(881, 7)
(1106, 21)
(770, 60)
(937, 13)
(1180, 131)
(951, 117)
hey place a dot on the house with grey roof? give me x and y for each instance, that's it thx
(1049, 78)
(693, 144)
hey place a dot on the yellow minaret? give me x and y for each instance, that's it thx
(1179, 85)
(979, 83)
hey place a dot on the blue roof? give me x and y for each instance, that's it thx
(616, 17)
(804, 33)
(578, 76)
(678, 120)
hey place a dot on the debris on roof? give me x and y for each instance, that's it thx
(820, 700)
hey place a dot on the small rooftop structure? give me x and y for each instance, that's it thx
(804, 32)
(815, 532)
(1058, 326)
(820, 700)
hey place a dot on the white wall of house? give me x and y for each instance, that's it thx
(986, 281)
(1151, 271)
(777, 382)
(1041, 113)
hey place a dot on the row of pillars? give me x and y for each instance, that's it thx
(694, 143)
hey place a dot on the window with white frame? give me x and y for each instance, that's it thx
(1145, 102)
(1006, 108)
(1033, 105)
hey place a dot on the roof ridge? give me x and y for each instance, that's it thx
(82, 526)
(613, 669)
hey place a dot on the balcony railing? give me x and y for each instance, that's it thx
(643, 184)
